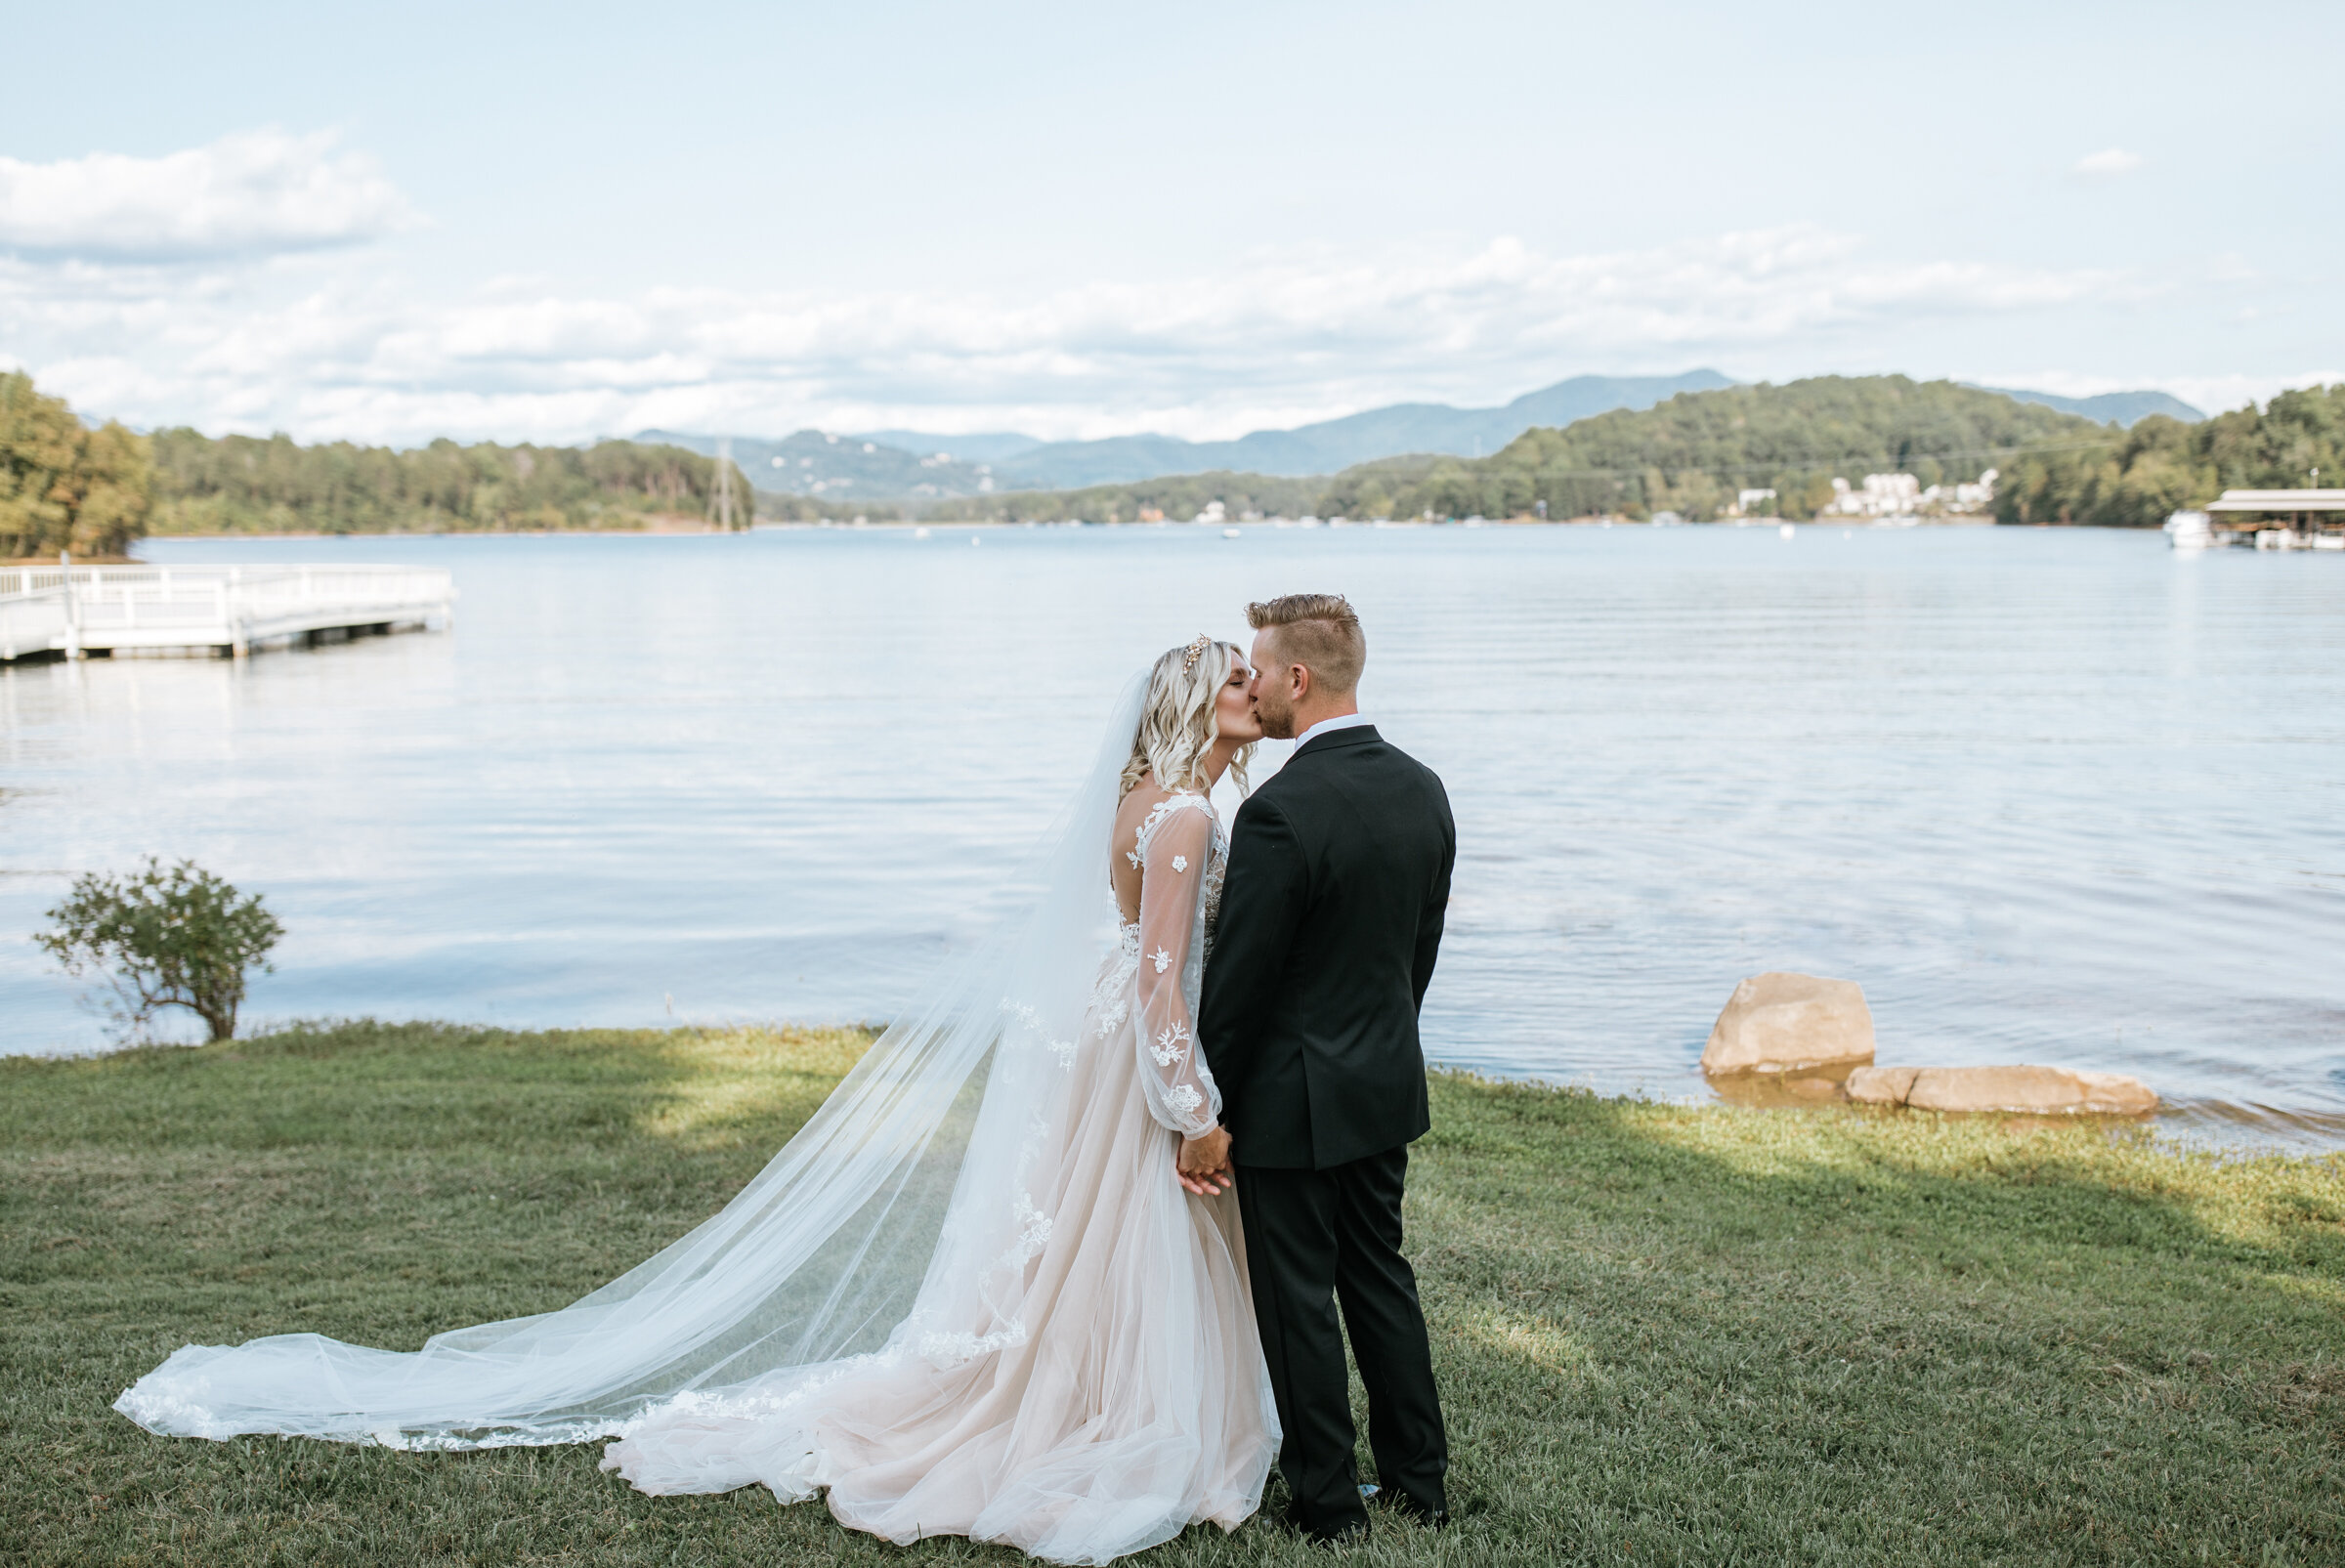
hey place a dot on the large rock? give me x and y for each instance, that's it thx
(1882, 1086)
(2024, 1090)
(2043, 1090)
(1786, 1023)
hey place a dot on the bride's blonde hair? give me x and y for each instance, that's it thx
(1177, 722)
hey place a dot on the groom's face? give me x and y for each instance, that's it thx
(1273, 689)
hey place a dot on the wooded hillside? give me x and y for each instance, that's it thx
(2161, 465)
(1692, 453)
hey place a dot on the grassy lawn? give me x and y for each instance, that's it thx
(1665, 1333)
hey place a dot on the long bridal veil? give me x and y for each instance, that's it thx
(896, 1223)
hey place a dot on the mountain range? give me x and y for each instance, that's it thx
(2127, 408)
(911, 465)
(1333, 445)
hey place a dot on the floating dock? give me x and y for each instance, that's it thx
(76, 611)
(2280, 519)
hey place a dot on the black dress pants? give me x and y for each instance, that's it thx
(1311, 1237)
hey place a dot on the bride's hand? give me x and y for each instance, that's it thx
(1203, 1164)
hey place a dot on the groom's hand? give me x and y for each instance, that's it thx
(1203, 1164)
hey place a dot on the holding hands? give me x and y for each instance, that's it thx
(1203, 1164)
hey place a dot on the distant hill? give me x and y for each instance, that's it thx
(816, 466)
(1319, 449)
(923, 467)
(1691, 454)
(989, 448)
(2127, 408)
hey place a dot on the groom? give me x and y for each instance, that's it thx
(1330, 917)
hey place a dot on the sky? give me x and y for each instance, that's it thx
(550, 222)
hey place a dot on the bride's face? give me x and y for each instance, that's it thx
(1233, 706)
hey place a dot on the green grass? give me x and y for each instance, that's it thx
(1665, 1333)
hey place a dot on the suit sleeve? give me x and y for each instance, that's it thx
(1263, 894)
(1436, 912)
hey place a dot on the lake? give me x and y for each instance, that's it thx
(2051, 796)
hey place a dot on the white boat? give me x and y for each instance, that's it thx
(2190, 531)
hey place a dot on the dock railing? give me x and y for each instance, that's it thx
(77, 610)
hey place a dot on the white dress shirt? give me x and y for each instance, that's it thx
(1349, 721)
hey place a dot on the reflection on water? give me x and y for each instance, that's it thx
(2050, 795)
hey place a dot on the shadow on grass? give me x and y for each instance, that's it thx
(1884, 1336)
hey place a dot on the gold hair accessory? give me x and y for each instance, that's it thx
(1196, 647)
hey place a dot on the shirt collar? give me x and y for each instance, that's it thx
(1349, 721)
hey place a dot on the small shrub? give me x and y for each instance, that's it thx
(167, 936)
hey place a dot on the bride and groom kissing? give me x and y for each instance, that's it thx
(1058, 1264)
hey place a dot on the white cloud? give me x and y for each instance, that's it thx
(332, 348)
(254, 192)
(2107, 164)
(2220, 394)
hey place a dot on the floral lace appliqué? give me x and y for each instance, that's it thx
(1111, 998)
(1162, 960)
(1037, 1031)
(1171, 1045)
(1178, 800)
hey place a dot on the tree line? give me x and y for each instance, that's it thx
(1692, 453)
(247, 485)
(63, 485)
(66, 487)
(2162, 465)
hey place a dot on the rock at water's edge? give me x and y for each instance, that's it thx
(2041, 1091)
(1882, 1086)
(1787, 1022)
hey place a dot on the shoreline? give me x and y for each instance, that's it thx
(1852, 525)
(2193, 1125)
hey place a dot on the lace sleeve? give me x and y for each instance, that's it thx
(1174, 850)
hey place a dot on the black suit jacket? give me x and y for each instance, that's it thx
(1331, 917)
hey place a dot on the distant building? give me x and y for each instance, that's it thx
(1213, 512)
(1748, 502)
(1902, 495)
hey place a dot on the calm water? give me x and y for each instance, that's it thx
(2050, 795)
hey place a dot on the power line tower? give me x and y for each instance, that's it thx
(721, 509)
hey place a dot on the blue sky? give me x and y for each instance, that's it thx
(389, 223)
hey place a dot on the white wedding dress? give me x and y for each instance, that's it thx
(969, 1297)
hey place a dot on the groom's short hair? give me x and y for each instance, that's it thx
(1319, 632)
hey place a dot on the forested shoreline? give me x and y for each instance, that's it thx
(1692, 453)
(65, 485)
(2161, 465)
(94, 492)
(245, 485)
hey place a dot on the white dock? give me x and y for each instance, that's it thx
(75, 610)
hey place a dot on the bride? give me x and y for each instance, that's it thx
(970, 1296)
